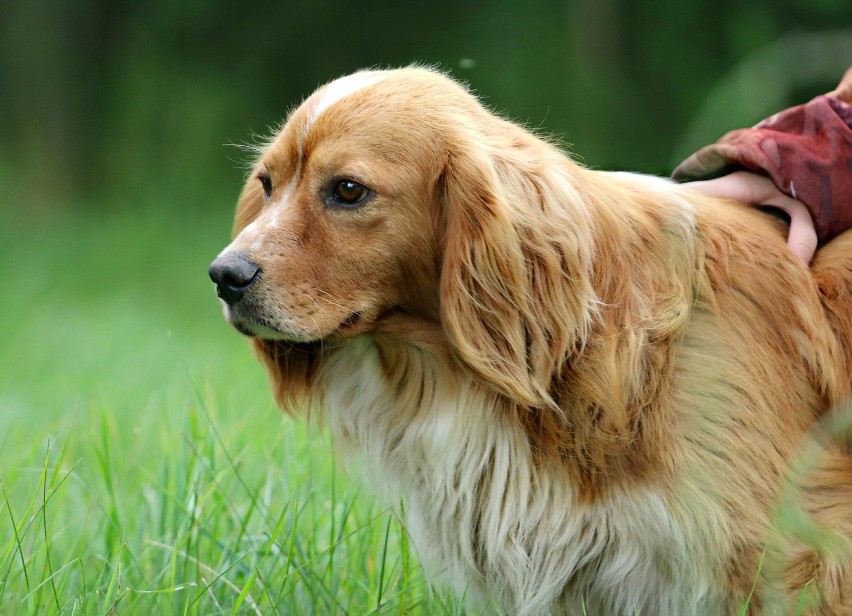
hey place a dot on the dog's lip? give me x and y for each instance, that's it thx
(260, 328)
(353, 325)
(243, 328)
(360, 322)
(352, 321)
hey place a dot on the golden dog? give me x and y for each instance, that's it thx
(589, 388)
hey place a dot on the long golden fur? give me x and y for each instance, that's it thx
(590, 388)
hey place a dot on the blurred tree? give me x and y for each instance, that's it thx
(119, 103)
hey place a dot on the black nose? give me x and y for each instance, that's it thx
(233, 274)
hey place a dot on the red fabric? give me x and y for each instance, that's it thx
(805, 150)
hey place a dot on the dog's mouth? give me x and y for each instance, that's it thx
(259, 329)
(243, 328)
(360, 322)
(357, 323)
(352, 323)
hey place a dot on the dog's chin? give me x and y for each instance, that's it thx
(266, 331)
(256, 330)
(353, 325)
(356, 324)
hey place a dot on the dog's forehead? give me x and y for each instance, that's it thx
(293, 136)
(338, 90)
(367, 104)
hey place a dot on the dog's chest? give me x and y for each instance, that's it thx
(482, 512)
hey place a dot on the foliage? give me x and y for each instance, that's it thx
(117, 100)
(146, 470)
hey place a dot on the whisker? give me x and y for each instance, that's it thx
(326, 299)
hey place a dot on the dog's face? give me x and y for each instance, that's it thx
(337, 225)
(393, 203)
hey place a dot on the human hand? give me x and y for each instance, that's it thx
(754, 189)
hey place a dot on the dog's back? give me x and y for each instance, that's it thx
(748, 368)
(811, 543)
(765, 376)
(832, 270)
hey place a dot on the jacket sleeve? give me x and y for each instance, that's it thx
(805, 150)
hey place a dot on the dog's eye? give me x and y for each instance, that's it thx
(349, 193)
(266, 183)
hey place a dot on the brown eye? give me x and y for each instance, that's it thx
(349, 192)
(266, 183)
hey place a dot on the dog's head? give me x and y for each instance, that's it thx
(392, 194)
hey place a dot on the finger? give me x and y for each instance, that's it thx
(729, 186)
(755, 189)
(741, 186)
(802, 238)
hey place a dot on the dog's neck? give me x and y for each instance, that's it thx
(601, 428)
(463, 461)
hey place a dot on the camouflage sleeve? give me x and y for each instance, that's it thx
(805, 150)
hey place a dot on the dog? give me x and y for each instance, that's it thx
(590, 389)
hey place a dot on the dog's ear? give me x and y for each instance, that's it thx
(516, 296)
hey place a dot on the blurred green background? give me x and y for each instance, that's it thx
(120, 155)
(121, 126)
(111, 103)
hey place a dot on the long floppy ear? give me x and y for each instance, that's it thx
(516, 294)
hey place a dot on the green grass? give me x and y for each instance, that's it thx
(145, 469)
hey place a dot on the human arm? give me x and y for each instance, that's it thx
(806, 154)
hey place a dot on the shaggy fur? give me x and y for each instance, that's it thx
(589, 388)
